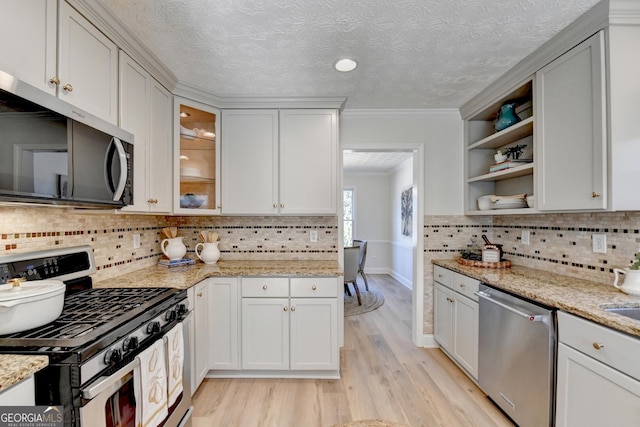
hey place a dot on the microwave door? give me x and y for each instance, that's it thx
(90, 147)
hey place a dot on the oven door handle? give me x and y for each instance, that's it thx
(103, 383)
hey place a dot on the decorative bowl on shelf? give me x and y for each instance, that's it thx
(531, 201)
(192, 201)
(190, 172)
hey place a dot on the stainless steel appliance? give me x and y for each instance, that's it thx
(54, 153)
(517, 354)
(92, 346)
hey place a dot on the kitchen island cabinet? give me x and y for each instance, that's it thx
(279, 162)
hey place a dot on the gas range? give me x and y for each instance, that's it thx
(100, 330)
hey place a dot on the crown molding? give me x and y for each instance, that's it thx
(432, 113)
(199, 94)
(100, 17)
(592, 21)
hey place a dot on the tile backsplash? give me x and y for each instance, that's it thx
(561, 243)
(26, 229)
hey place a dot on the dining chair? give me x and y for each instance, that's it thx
(351, 270)
(362, 258)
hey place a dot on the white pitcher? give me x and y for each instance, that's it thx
(208, 252)
(173, 249)
(631, 284)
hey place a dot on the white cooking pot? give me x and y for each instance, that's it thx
(30, 305)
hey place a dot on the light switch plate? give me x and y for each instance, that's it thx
(525, 237)
(313, 236)
(599, 243)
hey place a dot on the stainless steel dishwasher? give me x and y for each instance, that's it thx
(516, 356)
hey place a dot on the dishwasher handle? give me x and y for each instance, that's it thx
(529, 317)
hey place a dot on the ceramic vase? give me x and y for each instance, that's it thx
(507, 116)
(173, 249)
(208, 252)
(631, 284)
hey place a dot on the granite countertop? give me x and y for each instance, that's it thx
(187, 276)
(577, 296)
(15, 368)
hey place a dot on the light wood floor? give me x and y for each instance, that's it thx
(384, 376)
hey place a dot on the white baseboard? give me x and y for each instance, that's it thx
(428, 341)
(407, 282)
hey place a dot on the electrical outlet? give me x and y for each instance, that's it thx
(313, 236)
(599, 243)
(525, 237)
(136, 241)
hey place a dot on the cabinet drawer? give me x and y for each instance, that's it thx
(616, 349)
(465, 285)
(442, 275)
(309, 287)
(271, 287)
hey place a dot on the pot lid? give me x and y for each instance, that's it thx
(30, 289)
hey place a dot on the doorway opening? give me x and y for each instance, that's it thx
(387, 188)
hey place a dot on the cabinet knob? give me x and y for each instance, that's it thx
(152, 201)
(595, 195)
(598, 346)
(285, 308)
(293, 309)
(282, 205)
(54, 80)
(275, 205)
(440, 276)
(462, 285)
(219, 206)
(264, 287)
(199, 294)
(313, 288)
(68, 87)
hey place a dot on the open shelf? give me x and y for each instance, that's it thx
(512, 133)
(526, 169)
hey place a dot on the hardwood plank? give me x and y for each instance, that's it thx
(384, 376)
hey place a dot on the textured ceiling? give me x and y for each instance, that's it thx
(411, 53)
(382, 162)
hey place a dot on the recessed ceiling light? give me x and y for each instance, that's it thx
(345, 65)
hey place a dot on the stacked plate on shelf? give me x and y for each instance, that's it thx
(492, 201)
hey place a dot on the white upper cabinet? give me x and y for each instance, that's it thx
(308, 161)
(145, 111)
(87, 66)
(29, 34)
(196, 158)
(84, 72)
(279, 162)
(250, 162)
(571, 129)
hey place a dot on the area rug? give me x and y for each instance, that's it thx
(371, 300)
(371, 423)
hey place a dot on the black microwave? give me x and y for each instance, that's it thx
(54, 153)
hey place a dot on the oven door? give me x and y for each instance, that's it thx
(112, 400)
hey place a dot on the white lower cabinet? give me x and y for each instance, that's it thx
(200, 347)
(223, 323)
(456, 318)
(20, 394)
(290, 324)
(598, 379)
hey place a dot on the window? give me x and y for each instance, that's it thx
(349, 214)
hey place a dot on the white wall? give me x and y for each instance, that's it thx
(441, 132)
(401, 245)
(373, 220)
